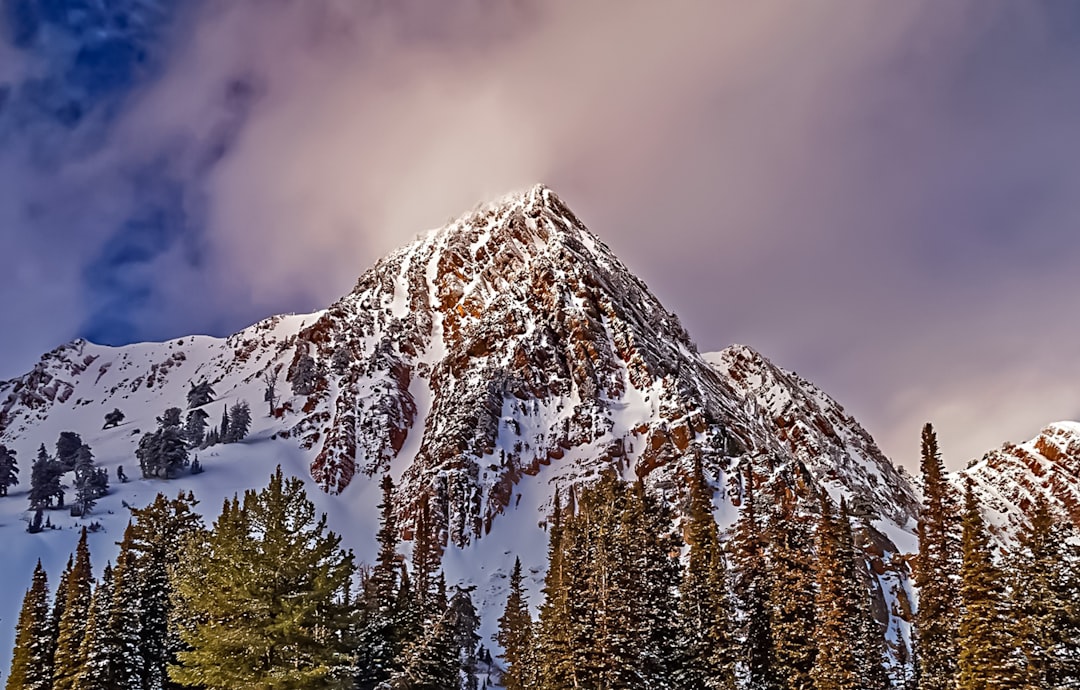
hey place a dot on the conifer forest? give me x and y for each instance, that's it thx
(634, 597)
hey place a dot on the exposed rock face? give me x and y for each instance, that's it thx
(1008, 480)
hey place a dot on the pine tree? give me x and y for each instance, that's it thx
(195, 427)
(9, 469)
(123, 637)
(164, 453)
(753, 588)
(936, 570)
(239, 422)
(31, 663)
(706, 639)
(223, 430)
(305, 376)
(266, 594)
(835, 663)
(93, 667)
(66, 447)
(380, 628)
(200, 394)
(986, 654)
(866, 632)
(91, 482)
(73, 619)
(113, 419)
(57, 613)
(45, 481)
(515, 633)
(426, 561)
(464, 622)
(1044, 575)
(554, 650)
(791, 606)
(154, 541)
(430, 663)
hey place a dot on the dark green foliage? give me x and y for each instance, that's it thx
(305, 376)
(791, 606)
(45, 489)
(9, 469)
(164, 453)
(93, 673)
(868, 634)
(835, 665)
(987, 657)
(430, 663)
(265, 598)
(753, 589)
(71, 626)
(464, 622)
(239, 422)
(195, 427)
(610, 619)
(387, 607)
(223, 430)
(66, 447)
(91, 482)
(936, 570)
(200, 394)
(1044, 574)
(708, 654)
(113, 418)
(31, 664)
(515, 633)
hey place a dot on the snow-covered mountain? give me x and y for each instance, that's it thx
(483, 365)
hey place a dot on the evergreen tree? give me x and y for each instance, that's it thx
(1044, 574)
(381, 624)
(94, 671)
(791, 606)
(305, 376)
(223, 430)
(986, 654)
(195, 427)
(164, 453)
(45, 482)
(239, 422)
(266, 594)
(464, 622)
(431, 662)
(59, 604)
(867, 634)
(31, 663)
(91, 482)
(426, 562)
(113, 418)
(200, 394)
(835, 665)
(154, 540)
(66, 447)
(515, 633)
(554, 653)
(708, 647)
(122, 654)
(9, 469)
(73, 619)
(753, 588)
(936, 570)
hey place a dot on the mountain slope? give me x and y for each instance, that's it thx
(483, 365)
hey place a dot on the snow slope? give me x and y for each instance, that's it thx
(482, 366)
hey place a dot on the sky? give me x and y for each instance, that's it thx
(881, 196)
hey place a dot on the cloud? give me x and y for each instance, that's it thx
(879, 195)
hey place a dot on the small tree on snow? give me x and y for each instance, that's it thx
(91, 482)
(9, 469)
(270, 391)
(195, 428)
(113, 418)
(164, 453)
(200, 394)
(306, 376)
(45, 481)
(239, 422)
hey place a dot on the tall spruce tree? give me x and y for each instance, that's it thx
(123, 638)
(382, 606)
(554, 651)
(464, 622)
(239, 422)
(987, 656)
(753, 589)
(94, 671)
(31, 663)
(45, 486)
(1044, 578)
(426, 562)
(267, 590)
(867, 633)
(72, 622)
(707, 643)
(791, 605)
(835, 665)
(91, 481)
(9, 469)
(936, 572)
(515, 633)
(154, 540)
